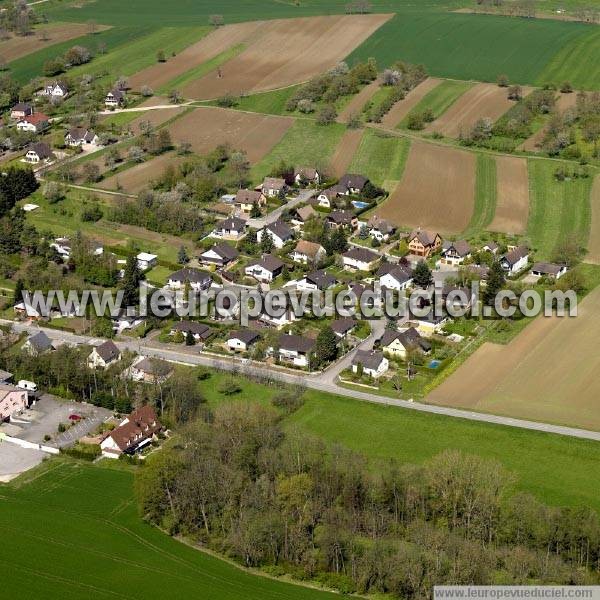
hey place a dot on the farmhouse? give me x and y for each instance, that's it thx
(394, 277)
(273, 187)
(78, 136)
(360, 259)
(280, 233)
(307, 176)
(220, 255)
(56, 90)
(230, 229)
(303, 214)
(196, 279)
(424, 243)
(379, 229)
(352, 183)
(295, 349)
(341, 218)
(317, 280)
(398, 344)
(150, 370)
(13, 400)
(135, 432)
(21, 110)
(551, 270)
(38, 152)
(34, 123)
(308, 253)
(146, 261)
(104, 355)
(373, 363)
(455, 253)
(37, 344)
(343, 327)
(114, 98)
(246, 199)
(266, 269)
(242, 340)
(515, 260)
(199, 331)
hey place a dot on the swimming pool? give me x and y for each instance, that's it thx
(434, 364)
(359, 204)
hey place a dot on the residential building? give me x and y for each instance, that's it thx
(38, 152)
(491, 247)
(398, 343)
(430, 323)
(114, 98)
(266, 269)
(326, 198)
(515, 260)
(150, 370)
(135, 431)
(379, 229)
(317, 280)
(63, 246)
(37, 344)
(352, 183)
(273, 187)
(21, 110)
(360, 259)
(295, 349)
(200, 331)
(343, 327)
(303, 214)
(35, 123)
(242, 340)
(279, 231)
(13, 401)
(146, 261)
(395, 277)
(550, 270)
(104, 355)
(56, 90)
(308, 253)
(424, 243)
(220, 254)
(196, 279)
(246, 199)
(455, 253)
(78, 136)
(5, 376)
(231, 228)
(373, 363)
(341, 218)
(307, 176)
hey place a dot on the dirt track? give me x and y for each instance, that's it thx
(285, 52)
(512, 204)
(402, 108)
(437, 190)
(549, 372)
(345, 151)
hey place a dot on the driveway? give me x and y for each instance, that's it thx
(303, 196)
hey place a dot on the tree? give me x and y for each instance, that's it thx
(91, 172)
(53, 192)
(182, 255)
(495, 282)
(160, 56)
(255, 211)
(566, 87)
(216, 20)
(175, 97)
(326, 346)
(132, 278)
(515, 92)
(422, 275)
(136, 154)
(239, 167)
(266, 242)
(146, 91)
(18, 295)
(189, 339)
(502, 80)
(327, 115)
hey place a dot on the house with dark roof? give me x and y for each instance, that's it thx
(79, 136)
(360, 259)
(200, 331)
(294, 349)
(380, 229)
(220, 254)
(303, 214)
(150, 370)
(279, 231)
(515, 260)
(491, 247)
(242, 340)
(373, 363)
(21, 110)
(37, 344)
(231, 228)
(341, 218)
(455, 253)
(273, 186)
(353, 183)
(114, 98)
(38, 152)
(343, 327)
(246, 199)
(266, 269)
(432, 322)
(317, 280)
(551, 270)
(104, 355)
(306, 176)
(56, 90)
(135, 432)
(424, 243)
(196, 279)
(395, 277)
(397, 344)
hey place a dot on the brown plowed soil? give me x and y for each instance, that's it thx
(512, 203)
(594, 241)
(402, 108)
(345, 151)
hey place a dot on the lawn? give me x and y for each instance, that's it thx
(381, 157)
(558, 210)
(485, 194)
(73, 531)
(440, 99)
(270, 103)
(304, 143)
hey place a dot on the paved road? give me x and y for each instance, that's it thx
(259, 223)
(317, 381)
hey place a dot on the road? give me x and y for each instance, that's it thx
(260, 222)
(320, 382)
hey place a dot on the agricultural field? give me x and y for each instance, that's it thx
(356, 104)
(79, 535)
(155, 117)
(417, 201)
(401, 109)
(486, 195)
(271, 103)
(593, 255)
(558, 210)
(345, 151)
(284, 53)
(512, 205)
(547, 373)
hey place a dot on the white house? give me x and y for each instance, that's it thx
(150, 370)
(20, 110)
(302, 215)
(279, 318)
(551, 270)
(38, 152)
(78, 136)
(231, 228)
(316, 280)
(280, 233)
(58, 90)
(146, 261)
(245, 199)
(104, 355)
(379, 229)
(135, 431)
(395, 277)
(308, 253)
(114, 98)
(273, 187)
(515, 260)
(197, 280)
(307, 176)
(360, 259)
(37, 344)
(240, 341)
(35, 123)
(326, 198)
(353, 183)
(199, 331)
(455, 253)
(295, 349)
(266, 269)
(220, 255)
(373, 363)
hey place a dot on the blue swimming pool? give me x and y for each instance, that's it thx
(434, 364)
(359, 204)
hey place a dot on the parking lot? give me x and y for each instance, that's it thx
(15, 460)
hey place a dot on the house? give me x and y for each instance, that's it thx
(13, 400)
(379, 229)
(424, 243)
(135, 431)
(123, 320)
(352, 183)
(373, 363)
(295, 349)
(461, 297)
(279, 318)
(490, 247)
(273, 187)
(307, 176)
(395, 277)
(360, 259)
(104, 355)
(37, 344)
(240, 341)
(5, 376)
(63, 246)
(56, 90)
(196, 279)
(342, 218)
(35, 123)
(550, 270)
(515, 260)
(280, 233)
(266, 269)
(231, 228)
(317, 280)
(455, 253)
(303, 214)
(308, 253)
(146, 261)
(327, 197)
(38, 152)
(430, 323)
(78, 136)
(21, 110)
(150, 370)
(246, 199)
(220, 255)
(114, 98)
(25, 310)
(478, 272)
(399, 343)
(199, 331)
(343, 327)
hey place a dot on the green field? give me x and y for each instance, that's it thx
(381, 157)
(270, 103)
(439, 99)
(558, 210)
(304, 143)
(74, 532)
(485, 194)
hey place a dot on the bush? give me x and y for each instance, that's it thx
(229, 387)
(289, 402)
(91, 214)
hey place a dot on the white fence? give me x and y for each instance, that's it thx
(28, 445)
